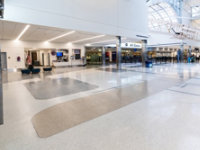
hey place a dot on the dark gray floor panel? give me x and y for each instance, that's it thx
(52, 88)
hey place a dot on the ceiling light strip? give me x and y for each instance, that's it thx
(87, 39)
(63, 35)
(112, 40)
(22, 33)
(103, 41)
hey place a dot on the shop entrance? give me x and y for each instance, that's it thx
(45, 59)
(114, 57)
(34, 59)
(94, 56)
(131, 56)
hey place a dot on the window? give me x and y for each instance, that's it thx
(77, 54)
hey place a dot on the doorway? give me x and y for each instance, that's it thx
(49, 62)
(42, 59)
(34, 58)
(4, 60)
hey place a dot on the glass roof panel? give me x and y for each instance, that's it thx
(160, 15)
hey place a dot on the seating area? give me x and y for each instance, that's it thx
(47, 69)
(25, 71)
(33, 70)
(28, 71)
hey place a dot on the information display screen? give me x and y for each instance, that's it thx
(59, 54)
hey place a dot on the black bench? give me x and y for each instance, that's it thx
(47, 69)
(35, 71)
(25, 71)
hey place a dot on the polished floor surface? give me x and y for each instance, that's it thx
(133, 109)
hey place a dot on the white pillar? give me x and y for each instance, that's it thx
(104, 55)
(190, 51)
(1, 93)
(182, 50)
(144, 51)
(118, 46)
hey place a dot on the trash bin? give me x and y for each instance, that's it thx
(149, 64)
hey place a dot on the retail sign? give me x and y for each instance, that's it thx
(131, 45)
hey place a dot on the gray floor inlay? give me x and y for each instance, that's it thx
(69, 114)
(51, 88)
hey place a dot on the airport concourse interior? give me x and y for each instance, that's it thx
(100, 75)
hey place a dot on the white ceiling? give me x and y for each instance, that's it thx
(11, 30)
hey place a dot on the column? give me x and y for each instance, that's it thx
(1, 8)
(104, 55)
(190, 51)
(144, 52)
(118, 46)
(1, 93)
(181, 53)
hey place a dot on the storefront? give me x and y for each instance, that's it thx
(54, 57)
(94, 55)
(131, 53)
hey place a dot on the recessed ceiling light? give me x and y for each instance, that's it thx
(22, 33)
(87, 44)
(63, 35)
(46, 42)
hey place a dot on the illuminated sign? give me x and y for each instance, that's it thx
(128, 45)
(131, 45)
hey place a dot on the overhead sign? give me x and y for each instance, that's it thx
(131, 45)
(128, 45)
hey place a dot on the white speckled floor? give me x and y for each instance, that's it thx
(167, 120)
